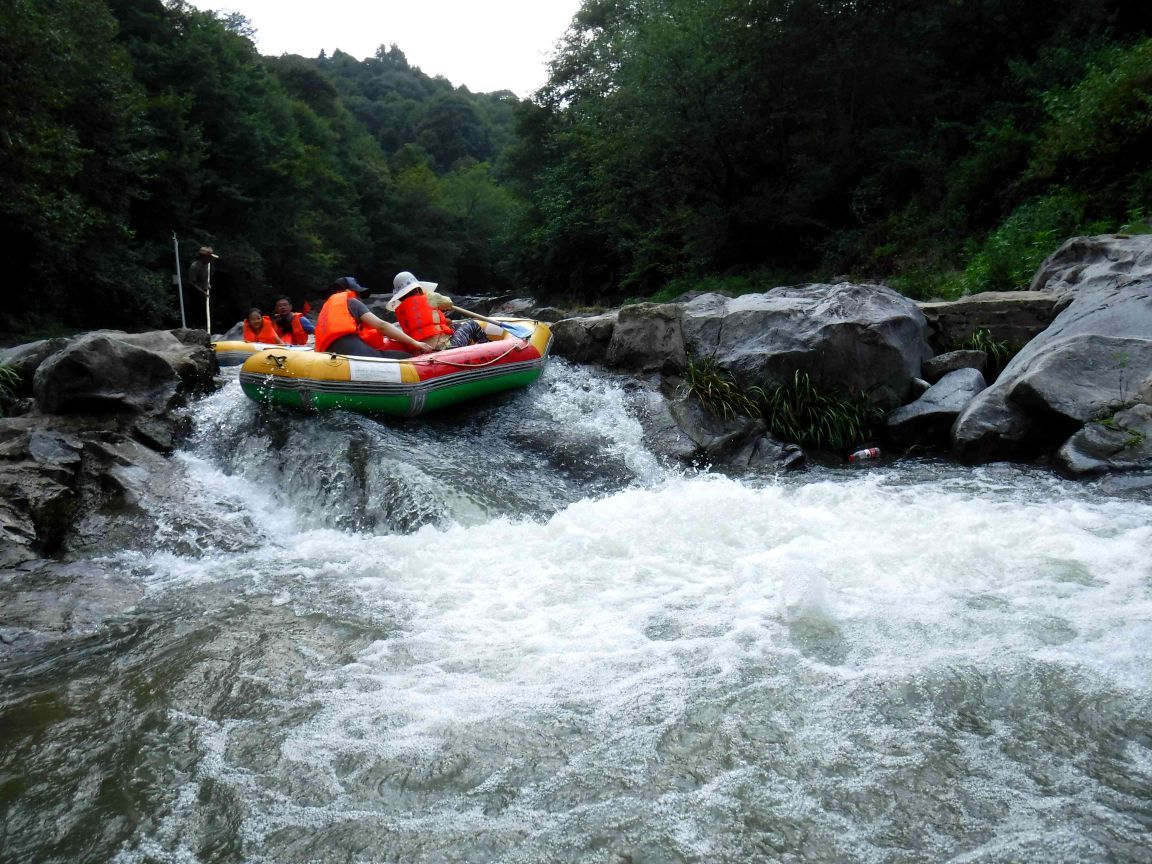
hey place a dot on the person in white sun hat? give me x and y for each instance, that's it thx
(420, 312)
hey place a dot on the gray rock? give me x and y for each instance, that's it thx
(191, 357)
(848, 338)
(1138, 485)
(940, 365)
(584, 339)
(1104, 261)
(26, 359)
(919, 387)
(51, 600)
(1124, 444)
(647, 338)
(97, 373)
(1096, 357)
(929, 418)
(1014, 317)
(737, 442)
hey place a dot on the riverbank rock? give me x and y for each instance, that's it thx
(647, 337)
(846, 337)
(1013, 317)
(1122, 443)
(584, 339)
(74, 468)
(1095, 359)
(928, 419)
(736, 443)
(942, 364)
(52, 600)
(1106, 260)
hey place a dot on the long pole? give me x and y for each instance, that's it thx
(208, 302)
(179, 283)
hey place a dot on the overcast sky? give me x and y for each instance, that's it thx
(485, 45)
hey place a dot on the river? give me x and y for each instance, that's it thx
(511, 634)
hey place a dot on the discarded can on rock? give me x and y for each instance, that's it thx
(865, 454)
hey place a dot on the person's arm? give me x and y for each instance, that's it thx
(393, 332)
(307, 324)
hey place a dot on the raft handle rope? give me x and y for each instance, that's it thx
(519, 347)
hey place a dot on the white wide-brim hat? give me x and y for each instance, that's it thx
(403, 285)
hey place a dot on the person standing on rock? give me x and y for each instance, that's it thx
(200, 280)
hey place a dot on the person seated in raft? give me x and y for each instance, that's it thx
(418, 310)
(345, 326)
(258, 327)
(293, 327)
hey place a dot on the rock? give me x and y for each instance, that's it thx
(584, 339)
(1094, 358)
(26, 359)
(96, 373)
(847, 338)
(1122, 484)
(1122, 444)
(736, 442)
(52, 600)
(38, 471)
(919, 387)
(235, 333)
(940, 365)
(1104, 261)
(192, 358)
(662, 434)
(1013, 317)
(647, 338)
(928, 419)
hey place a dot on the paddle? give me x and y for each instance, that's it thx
(517, 330)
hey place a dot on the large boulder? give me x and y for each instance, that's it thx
(647, 338)
(1104, 261)
(584, 339)
(928, 419)
(98, 373)
(1095, 358)
(846, 337)
(26, 359)
(188, 352)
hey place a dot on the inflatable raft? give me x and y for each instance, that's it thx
(233, 352)
(311, 381)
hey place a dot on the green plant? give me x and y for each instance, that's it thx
(9, 384)
(1011, 254)
(800, 412)
(999, 352)
(797, 411)
(718, 391)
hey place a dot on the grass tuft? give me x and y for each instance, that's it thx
(9, 384)
(797, 411)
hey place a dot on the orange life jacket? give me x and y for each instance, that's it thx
(295, 334)
(266, 333)
(419, 320)
(335, 321)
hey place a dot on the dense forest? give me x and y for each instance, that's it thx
(734, 145)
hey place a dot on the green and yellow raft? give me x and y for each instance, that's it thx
(311, 381)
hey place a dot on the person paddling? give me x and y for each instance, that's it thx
(345, 321)
(419, 311)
